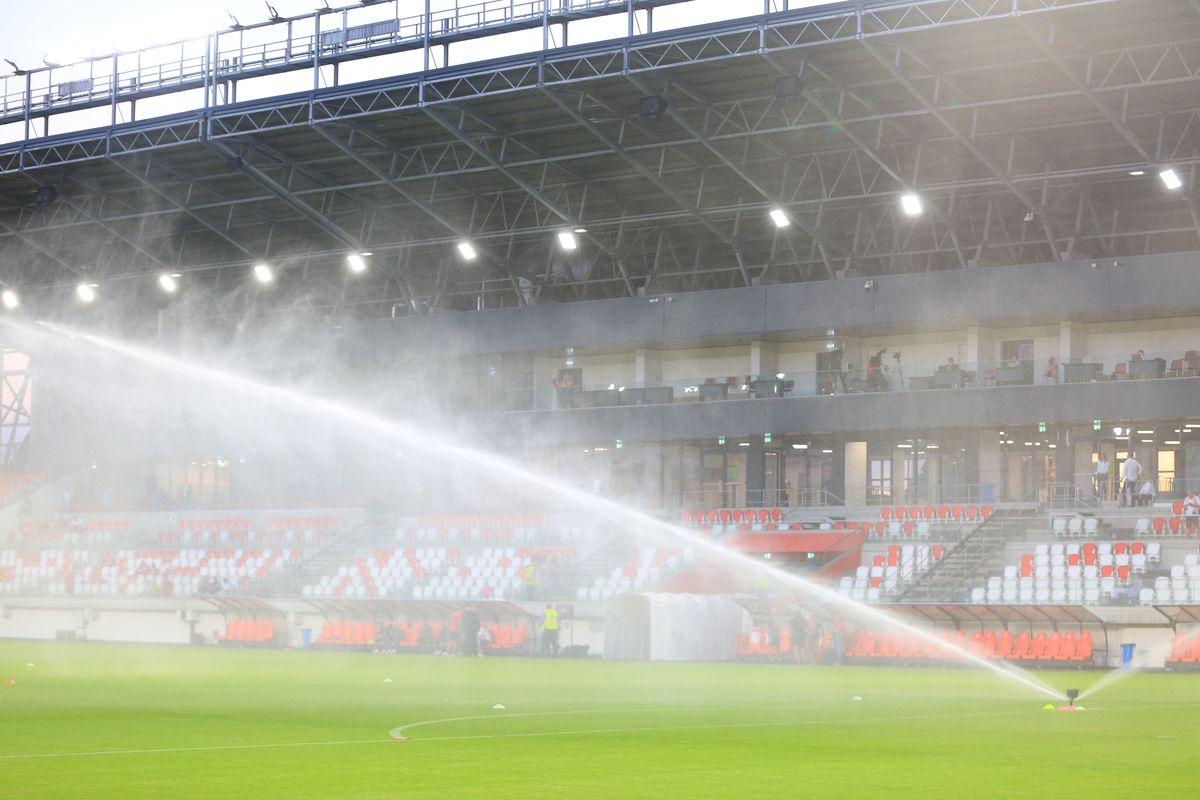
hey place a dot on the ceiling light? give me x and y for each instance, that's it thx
(167, 282)
(743, 444)
(263, 273)
(780, 218)
(467, 250)
(10, 299)
(567, 241)
(1170, 178)
(86, 292)
(356, 262)
(1171, 441)
(1137, 173)
(799, 447)
(581, 230)
(911, 204)
(1145, 432)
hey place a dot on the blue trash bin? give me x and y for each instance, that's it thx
(1127, 655)
(306, 637)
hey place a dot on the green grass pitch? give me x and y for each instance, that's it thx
(107, 721)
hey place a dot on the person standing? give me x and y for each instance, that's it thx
(1100, 476)
(800, 635)
(1191, 511)
(469, 630)
(838, 636)
(550, 631)
(1131, 470)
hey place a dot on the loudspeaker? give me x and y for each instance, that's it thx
(651, 109)
(788, 87)
(44, 196)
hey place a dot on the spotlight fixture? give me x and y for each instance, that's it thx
(467, 250)
(1029, 216)
(869, 285)
(356, 262)
(263, 273)
(86, 292)
(910, 203)
(780, 218)
(10, 299)
(652, 108)
(567, 240)
(1170, 178)
(168, 282)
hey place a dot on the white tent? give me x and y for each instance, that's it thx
(672, 627)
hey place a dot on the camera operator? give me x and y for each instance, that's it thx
(876, 381)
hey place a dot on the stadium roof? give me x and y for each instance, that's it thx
(1017, 124)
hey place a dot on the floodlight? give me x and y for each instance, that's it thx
(567, 240)
(263, 273)
(86, 292)
(10, 299)
(1170, 178)
(356, 262)
(168, 282)
(780, 218)
(911, 204)
(467, 250)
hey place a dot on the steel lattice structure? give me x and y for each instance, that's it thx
(1018, 122)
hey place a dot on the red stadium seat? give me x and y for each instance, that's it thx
(1083, 647)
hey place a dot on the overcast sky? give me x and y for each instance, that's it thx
(67, 29)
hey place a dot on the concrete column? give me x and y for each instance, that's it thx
(1072, 340)
(647, 368)
(763, 359)
(854, 480)
(980, 354)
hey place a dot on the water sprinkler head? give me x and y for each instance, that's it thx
(1072, 696)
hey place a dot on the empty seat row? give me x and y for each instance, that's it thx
(1025, 647)
(725, 516)
(248, 630)
(943, 513)
(1185, 652)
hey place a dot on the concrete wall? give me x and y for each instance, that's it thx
(1155, 287)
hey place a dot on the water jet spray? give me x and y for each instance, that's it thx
(639, 522)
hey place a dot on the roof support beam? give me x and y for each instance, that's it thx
(966, 141)
(149, 184)
(737, 169)
(533, 191)
(461, 233)
(576, 114)
(274, 187)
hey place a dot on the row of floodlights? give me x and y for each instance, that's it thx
(169, 281)
(912, 205)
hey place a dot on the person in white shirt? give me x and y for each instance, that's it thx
(1100, 476)
(1146, 495)
(1191, 510)
(1131, 470)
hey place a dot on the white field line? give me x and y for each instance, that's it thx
(582, 732)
